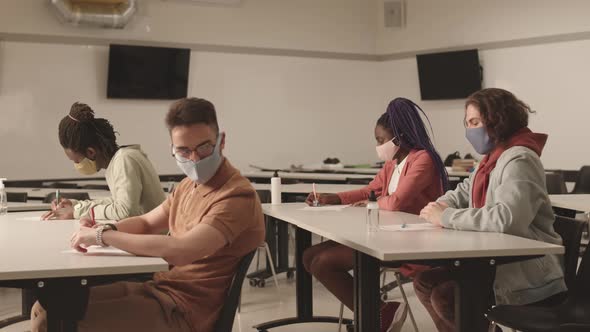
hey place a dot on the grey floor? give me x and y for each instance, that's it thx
(262, 304)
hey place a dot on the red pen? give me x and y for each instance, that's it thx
(92, 216)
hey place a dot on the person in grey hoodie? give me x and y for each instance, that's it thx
(506, 194)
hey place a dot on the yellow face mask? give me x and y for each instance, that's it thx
(86, 167)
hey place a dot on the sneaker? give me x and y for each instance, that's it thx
(392, 316)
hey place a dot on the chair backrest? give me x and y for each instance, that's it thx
(264, 196)
(582, 286)
(358, 181)
(226, 318)
(17, 197)
(81, 196)
(62, 185)
(555, 183)
(96, 186)
(583, 182)
(570, 231)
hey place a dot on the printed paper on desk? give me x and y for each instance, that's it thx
(325, 208)
(100, 251)
(36, 218)
(409, 227)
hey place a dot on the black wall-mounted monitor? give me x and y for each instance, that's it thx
(143, 72)
(449, 75)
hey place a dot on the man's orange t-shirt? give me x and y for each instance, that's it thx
(229, 203)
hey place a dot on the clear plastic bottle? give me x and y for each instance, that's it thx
(372, 213)
(3, 198)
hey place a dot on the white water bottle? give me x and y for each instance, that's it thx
(275, 189)
(3, 198)
(372, 213)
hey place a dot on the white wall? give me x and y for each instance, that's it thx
(283, 110)
(551, 78)
(318, 25)
(276, 110)
(433, 24)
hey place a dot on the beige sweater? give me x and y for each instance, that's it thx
(134, 185)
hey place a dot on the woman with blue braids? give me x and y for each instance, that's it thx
(412, 176)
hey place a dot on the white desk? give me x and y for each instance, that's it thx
(345, 170)
(32, 256)
(306, 188)
(458, 174)
(28, 206)
(364, 171)
(308, 176)
(471, 255)
(368, 171)
(576, 202)
(41, 193)
(82, 183)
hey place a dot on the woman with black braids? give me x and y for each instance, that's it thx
(91, 144)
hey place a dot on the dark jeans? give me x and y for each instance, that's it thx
(435, 288)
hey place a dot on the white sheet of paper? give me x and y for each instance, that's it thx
(325, 208)
(100, 251)
(29, 218)
(409, 227)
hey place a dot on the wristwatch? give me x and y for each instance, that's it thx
(100, 230)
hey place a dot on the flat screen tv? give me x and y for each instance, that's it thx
(449, 75)
(143, 72)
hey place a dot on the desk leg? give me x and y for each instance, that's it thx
(304, 290)
(65, 301)
(303, 279)
(475, 281)
(366, 293)
(283, 246)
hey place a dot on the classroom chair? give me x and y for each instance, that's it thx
(62, 185)
(384, 289)
(226, 318)
(264, 196)
(582, 185)
(358, 181)
(555, 183)
(17, 197)
(571, 314)
(78, 196)
(96, 186)
(269, 261)
(24, 184)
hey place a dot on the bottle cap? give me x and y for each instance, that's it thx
(372, 197)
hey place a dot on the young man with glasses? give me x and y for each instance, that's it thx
(214, 218)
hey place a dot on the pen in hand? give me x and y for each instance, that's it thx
(316, 202)
(92, 217)
(57, 198)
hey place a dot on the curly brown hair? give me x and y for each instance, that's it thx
(80, 130)
(502, 113)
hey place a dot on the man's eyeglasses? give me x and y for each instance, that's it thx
(183, 155)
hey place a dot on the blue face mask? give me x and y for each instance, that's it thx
(204, 169)
(479, 138)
